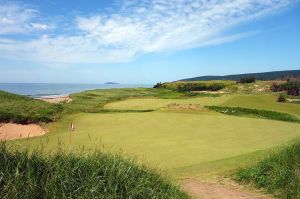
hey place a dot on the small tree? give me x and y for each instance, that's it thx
(158, 85)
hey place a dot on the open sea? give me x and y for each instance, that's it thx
(37, 90)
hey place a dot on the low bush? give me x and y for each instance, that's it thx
(93, 175)
(281, 98)
(255, 112)
(246, 80)
(278, 173)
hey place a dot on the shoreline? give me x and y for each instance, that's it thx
(55, 99)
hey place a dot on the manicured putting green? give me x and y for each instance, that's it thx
(154, 103)
(171, 140)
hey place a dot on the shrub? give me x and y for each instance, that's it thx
(245, 80)
(158, 85)
(281, 98)
(93, 175)
(278, 173)
(187, 87)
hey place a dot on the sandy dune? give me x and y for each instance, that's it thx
(10, 131)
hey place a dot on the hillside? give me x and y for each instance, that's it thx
(259, 76)
(25, 110)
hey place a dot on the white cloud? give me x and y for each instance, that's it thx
(138, 27)
(17, 18)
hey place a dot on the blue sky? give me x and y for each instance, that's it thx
(145, 41)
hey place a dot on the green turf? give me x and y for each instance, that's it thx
(268, 102)
(170, 140)
(152, 103)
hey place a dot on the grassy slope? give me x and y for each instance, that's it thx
(278, 174)
(92, 175)
(94, 100)
(22, 109)
(267, 102)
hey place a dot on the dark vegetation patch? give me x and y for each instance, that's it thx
(194, 86)
(246, 80)
(266, 114)
(88, 175)
(279, 173)
(291, 87)
(281, 98)
(24, 110)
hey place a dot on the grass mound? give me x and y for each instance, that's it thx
(273, 115)
(22, 109)
(93, 101)
(278, 174)
(91, 175)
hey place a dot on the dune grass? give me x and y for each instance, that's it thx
(238, 111)
(22, 109)
(278, 173)
(79, 175)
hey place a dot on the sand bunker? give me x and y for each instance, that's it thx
(175, 106)
(56, 99)
(10, 131)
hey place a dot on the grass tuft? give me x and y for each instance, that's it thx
(279, 174)
(79, 175)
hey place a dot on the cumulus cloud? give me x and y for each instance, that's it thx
(136, 27)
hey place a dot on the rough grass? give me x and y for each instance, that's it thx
(278, 174)
(22, 109)
(71, 175)
(238, 111)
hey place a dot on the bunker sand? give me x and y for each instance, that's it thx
(10, 131)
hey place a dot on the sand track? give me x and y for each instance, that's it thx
(214, 190)
(10, 131)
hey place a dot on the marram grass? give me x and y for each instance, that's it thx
(79, 175)
(279, 173)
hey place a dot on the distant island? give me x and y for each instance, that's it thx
(111, 83)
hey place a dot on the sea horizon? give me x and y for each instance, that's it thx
(41, 90)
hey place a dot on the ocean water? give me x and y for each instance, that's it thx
(37, 90)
